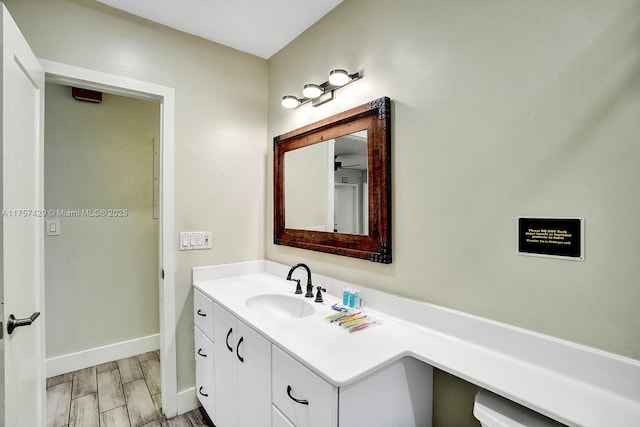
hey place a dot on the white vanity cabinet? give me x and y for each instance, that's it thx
(242, 373)
(204, 350)
(244, 379)
(397, 395)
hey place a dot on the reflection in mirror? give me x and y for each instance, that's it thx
(326, 185)
(332, 184)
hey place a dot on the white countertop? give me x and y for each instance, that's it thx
(571, 383)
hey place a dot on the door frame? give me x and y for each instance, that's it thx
(69, 75)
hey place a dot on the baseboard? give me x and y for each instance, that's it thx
(95, 356)
(187, 400)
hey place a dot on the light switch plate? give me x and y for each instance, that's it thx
(194, 240)
(52, 227)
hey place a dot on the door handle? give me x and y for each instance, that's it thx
(13, 323)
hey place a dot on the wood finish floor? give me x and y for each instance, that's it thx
(124, 393)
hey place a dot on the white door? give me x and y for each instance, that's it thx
(346, 208)
(21, 231)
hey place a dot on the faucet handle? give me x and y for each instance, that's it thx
(319, 293)
(298, 287)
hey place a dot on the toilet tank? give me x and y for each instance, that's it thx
(496, 411)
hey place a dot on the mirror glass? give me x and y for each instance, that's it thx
(332, 184)
(326, 185)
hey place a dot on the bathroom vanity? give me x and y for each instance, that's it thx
(267, 357)
(252, 363)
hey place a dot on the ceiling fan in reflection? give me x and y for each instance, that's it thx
(354, 161)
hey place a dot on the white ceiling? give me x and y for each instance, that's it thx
(259, 27)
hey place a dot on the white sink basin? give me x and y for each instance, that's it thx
(280, 306)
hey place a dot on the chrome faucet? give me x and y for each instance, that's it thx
(309, 293)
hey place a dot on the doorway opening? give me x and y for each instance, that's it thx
(101, 241)
(62, 74)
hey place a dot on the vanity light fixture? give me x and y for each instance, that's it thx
(339, 77)
(290, 101)
(312, 91)
(319, 94)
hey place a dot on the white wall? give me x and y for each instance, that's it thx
(101, 273)
(221, 117)
(500, 109)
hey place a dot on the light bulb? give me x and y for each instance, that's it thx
(339, 77)
(311, 91)
(290, 101)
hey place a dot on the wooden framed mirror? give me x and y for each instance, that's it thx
(332, 184)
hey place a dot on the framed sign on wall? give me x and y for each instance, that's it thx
(551, 237)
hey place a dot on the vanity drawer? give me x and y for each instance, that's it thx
(203, 313)
(279, 420)
(302, 396)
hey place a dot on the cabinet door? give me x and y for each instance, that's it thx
(204, 355)
(253, 354)
(400, 394)
(225, 335)
(302, 396)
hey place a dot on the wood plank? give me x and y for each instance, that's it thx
(84, 411)
(59, 379)
(139, 403)
(188, 419)
(110, 393)
(157, 401)
(84, 382)
(146, 356)
(151, 371)
(129, 369)
(196, 418)
(109, 366)
(58, 404)
(117, 417)
(179, 421)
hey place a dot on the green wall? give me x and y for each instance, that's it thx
(501, 109)
(101, 269)
(220, 126)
